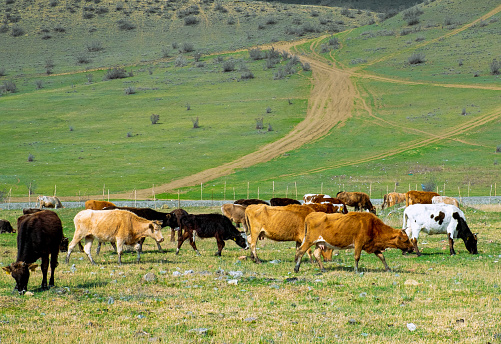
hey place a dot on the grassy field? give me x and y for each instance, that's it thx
(210, 299)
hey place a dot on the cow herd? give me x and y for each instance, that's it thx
(320, 220)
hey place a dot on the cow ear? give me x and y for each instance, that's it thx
(7, 269)
(32, 267)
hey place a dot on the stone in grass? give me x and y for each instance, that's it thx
(411, 327)
(353, 322)
(250, 319)
(411, 282)
(150, 277)
(200, 331)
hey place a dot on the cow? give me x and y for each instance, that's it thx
(28, 211)
(276, 223)
(280, 202)
(361, 231)
(235, 212)
(63, 246)
(39, 236)
(6, 227)
(246, 202)
(49, 202)
(359, 200)
(438, 219)
(174, 223)
(210, 226)
(327, 208)
(444, 200)
(117, 226)
(419, 197)
(97, 205)
(392, 198)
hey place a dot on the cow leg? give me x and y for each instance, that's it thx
(358, 253)
(299, 254)
(87, 247)
(71, 246)
(220, 245)
(53, 265)
(414, 243)
(451, 245)
(317, 254)
(379, 254)
(45, 268)
(120, 246)
(80, 246)
(98, 248)
(327, 254)
(138, 250)
(172, 235)
(192, 241)
(140, 244)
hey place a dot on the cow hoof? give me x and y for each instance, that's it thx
(296, 269)
(419, 254)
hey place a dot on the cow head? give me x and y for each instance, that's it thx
(402, 242)
(155, 227)
(63, 245)
(241, 240)
(464, 232)
(373, 210)
(20, 271)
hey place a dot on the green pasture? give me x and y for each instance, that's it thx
(193, 298)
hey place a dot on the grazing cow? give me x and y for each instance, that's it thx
(97, 205)
(359, 200)
(6, 227)
(392, 198)
(280, 202)
(326, 208)
(276, 223)
(49, 202)
(39, 236)
(445, 200)
(28, 211)
(63, 246)
(174, 223)
(438, 219)
(419, 197)
(361, 231)
(116, 226)
(210, 226)
(148, 214)
(235, 212)
(246, 202)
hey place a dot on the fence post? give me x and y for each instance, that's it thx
(248, 185)
(135, 198)
(370, 190)
(108, 195)
(201, 191)
(273, 193)
(469, 188)
(287, 191)
(490, 195)
(234, 195)
(295, 186)
(178, 199)
(322, 188)
(443, 191)
(258, 192)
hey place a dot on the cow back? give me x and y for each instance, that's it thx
(419, 197)
(98, 205)
(283, 201)
(246, 202)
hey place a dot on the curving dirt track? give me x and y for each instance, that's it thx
(330, 103)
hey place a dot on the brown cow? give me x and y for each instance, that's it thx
(282, 201)
(324, 199)
(235, 212)
(361, 231)
(419, 197)
(117, 226)
(246, 202)
(445, 200)
(392, 198)
(97, 205)
(359, 200)
(276, 223)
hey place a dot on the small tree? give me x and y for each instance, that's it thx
(2, 71)
(31, 157)
(10, 86)
(411, 15)
(49, 65)
(259, 123)
(228, 66)
(417, 58)
(269, 127)
(494, 67)
(195, 123)
(130, 90)
(39, 84)
(268, 109)
(498, 149)
(154, 119)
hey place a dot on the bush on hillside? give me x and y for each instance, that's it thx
(228, 66)
(498, 149)
(115, 73)
(94, 46)
(130, 90)
(259, 123)
(9, 86)
(154, 119)
(187, 48)
(4, 28)
(2, 71)
(39, 84)
(416, 58)
(195, 123)
(17, 31)
(180, 61)
(411, 15)
(190, 20)
(82, 58)
(255, 54)
(125, 25)
(49, 65)
(494, 67)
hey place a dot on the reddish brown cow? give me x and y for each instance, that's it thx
(325, 199)
(419, 197)
(392, 198)
(97, 205)
(361, 231)
(359, 200)
(246, 202)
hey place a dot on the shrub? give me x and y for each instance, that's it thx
(165, 52)
(306, 67)
(429, 185)
(4, 28)
(180, 61)
(358, 61)
(115, 73)
(31, 157)
(82, 58)
(246, 74)
(17, 31)
(324, 48)
(10, 86)
(463, 112)
(154, 119)
(129, 134)
(187, 47)
(279, 74)
(188, 107)
(119, 6)
(39, 84)
(498, 149)
(46, 36)
(255, 54)
(334, 42)
(416, 58)
(494, 67)
(59, 28)
(102, 10)
(259, 123)
(89, 78)
(231, 21)
(228, 66)
(49, 65)
(268, 109)
(411, 15)
(197, 56)
(130, 90)
(87, 15)
(190, 20)
(2, 71)
(94, 46)
(269, 127)
(195, 123)
(271, 20)
(125, 25)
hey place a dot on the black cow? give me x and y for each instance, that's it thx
(39, 236)
(175, 223)
(250, 201)
(29, 211)
(6, 227)
(280, 202)
(210, 226)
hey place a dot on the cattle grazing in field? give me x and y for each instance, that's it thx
(359, 200)
(360, 231)
(49, 202)
(324, 199)
(98, 205)
(39, 236)
(249, 201)
(419, 197)
(392, 198)
(117, 226)
(275, 223)
(28, 211)
(235, 212)
(438, 219)
(6, 227)
(210, 226)
(282, 201)
(445, 200)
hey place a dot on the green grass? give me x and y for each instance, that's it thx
(457, 298)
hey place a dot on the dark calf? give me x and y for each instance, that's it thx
(6, 227)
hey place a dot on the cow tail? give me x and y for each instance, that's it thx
(248, 226)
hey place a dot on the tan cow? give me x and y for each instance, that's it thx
(361, 231)
(235, 212)
(419, 197)
(97, 205)
(392, 198)
(358, 200)
(49, 202)
(445, 200)
(115, 226)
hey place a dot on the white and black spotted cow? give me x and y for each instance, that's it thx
(438, 219)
